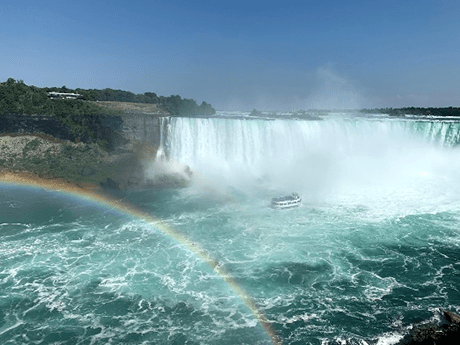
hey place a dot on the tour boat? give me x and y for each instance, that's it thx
(289, 201)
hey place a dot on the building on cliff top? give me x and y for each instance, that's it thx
(65, 95)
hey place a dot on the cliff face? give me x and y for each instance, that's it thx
(47, 156)
(143, 129)
(44, 146)
(116, 130)
(26, 124)
(101, 128)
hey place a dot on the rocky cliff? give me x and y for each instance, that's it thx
(124, 156)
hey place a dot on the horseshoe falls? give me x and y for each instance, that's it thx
(373, 249)
(376, 163)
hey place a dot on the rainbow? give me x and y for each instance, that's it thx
(94, 194)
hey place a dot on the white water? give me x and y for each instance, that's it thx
(383, 164)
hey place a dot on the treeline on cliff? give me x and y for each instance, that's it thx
(175, 104)
(83, 119)
(19, 98)
(447, 111)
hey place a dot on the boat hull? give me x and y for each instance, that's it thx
(286, 202)
(280, 207)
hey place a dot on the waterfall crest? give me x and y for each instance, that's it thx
(252, 141)
(311, 155)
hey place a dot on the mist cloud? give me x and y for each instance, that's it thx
(333, 91)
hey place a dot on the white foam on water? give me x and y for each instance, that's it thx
(389, 339)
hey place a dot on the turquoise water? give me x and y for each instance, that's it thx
(373, 249)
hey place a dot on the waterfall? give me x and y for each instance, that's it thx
(296, 154)
(162, 152)
(440, 132)
(250, 142)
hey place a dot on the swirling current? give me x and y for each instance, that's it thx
(373, 249)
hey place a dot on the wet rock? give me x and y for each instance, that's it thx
(445, 333)
(110, 184)
(451, 317)
(188, 171)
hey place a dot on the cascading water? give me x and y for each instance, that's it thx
(252, 143)
(373, 249)
(162, 150)
(317, 158)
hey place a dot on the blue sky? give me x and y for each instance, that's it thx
(269, 55)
